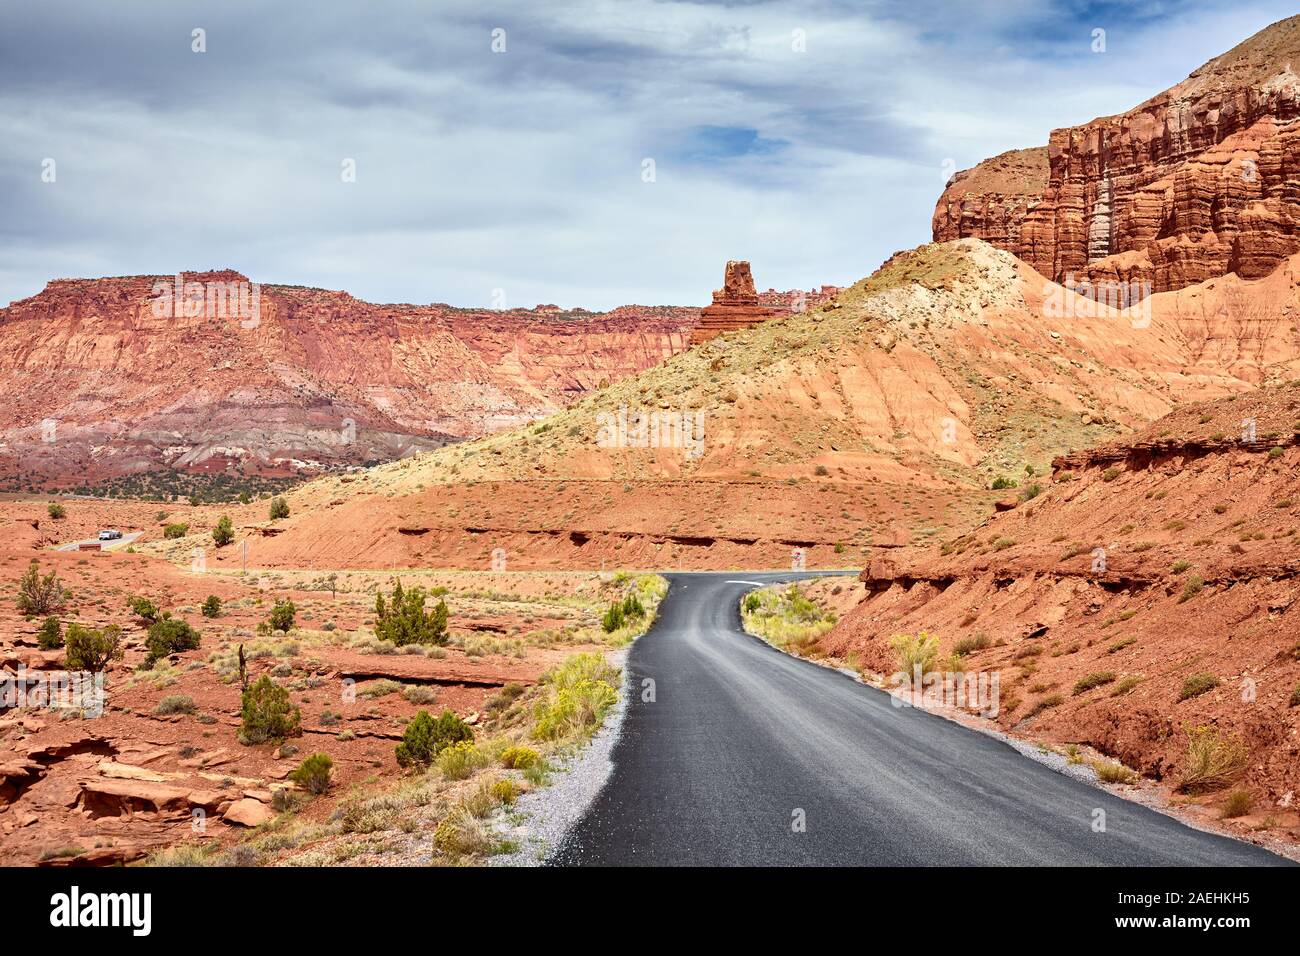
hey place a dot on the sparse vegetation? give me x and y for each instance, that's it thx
(282, 616)
(56, 510)
(50, 635)
(279, 508)
(425, 737)
(1214, 759)
(211, 606)
(1239, 803)
(915, 654)
(969, 645)
(1112, 771)
(176, 530)
(314, 773)
(1191, 587)
(1196, 685)
(90, 649)
(786, 617)
(1093, 680)
(175, 704)
(578, 693)
(268, 714)
(224, 532)
(169, 636)
(403, 619)
(39, 595)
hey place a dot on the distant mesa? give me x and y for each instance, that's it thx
(737, 305)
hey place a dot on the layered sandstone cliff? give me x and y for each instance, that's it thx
(1199, 181)
(106, 377)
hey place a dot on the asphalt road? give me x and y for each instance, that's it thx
(742, 739)
(112, 545)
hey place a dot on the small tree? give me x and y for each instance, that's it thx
(404, 620)
(282, 616)
(212, 606)
(267, 713)
(613, 618)
(144, 609)
(40, 595)
(425, 737)
(279, 508)
(50, 636)
(313, 774)
(224, 532)
(90, 649)
(169, 636)
(56, 510)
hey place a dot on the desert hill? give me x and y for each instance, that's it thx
(879, 418)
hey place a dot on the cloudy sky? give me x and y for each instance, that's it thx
(809, 137)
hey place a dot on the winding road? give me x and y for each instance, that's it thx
(742, 742)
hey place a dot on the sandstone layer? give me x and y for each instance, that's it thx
(1196, 182)
(96, 379)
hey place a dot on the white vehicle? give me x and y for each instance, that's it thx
(110, 535)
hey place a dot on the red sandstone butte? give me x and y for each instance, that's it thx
(737, 305)
(1197, 182)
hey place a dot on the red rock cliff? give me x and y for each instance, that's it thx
(105, 377)
(1199, 181)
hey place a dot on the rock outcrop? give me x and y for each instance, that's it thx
(1197, 182)
(735, 306)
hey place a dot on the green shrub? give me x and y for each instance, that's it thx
(752, 602)
(1044, 703)
(578, 694)
(459, 760)
(632, 606)
(50, 636)
(90, 649)
(282, 616)
(505, 792)
(313, 774)
(56, 510)
(40, 595)
(144, 609)
(1110, 474)
(212, 606)
(1125, 685)
(613, 619)
(968, 645)
(518, 758)
(1196, 685)
(1191, 587)
(403, 620)
(1002, 481)
(1178, 567)
(1276, 452)
(1295, 696)
(425, 737)
(279, 508)
(1031, 491)
(175, 704)
(1095, 679)
(176, 530)
(169, 636)
(224, 532)
(267, 713)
